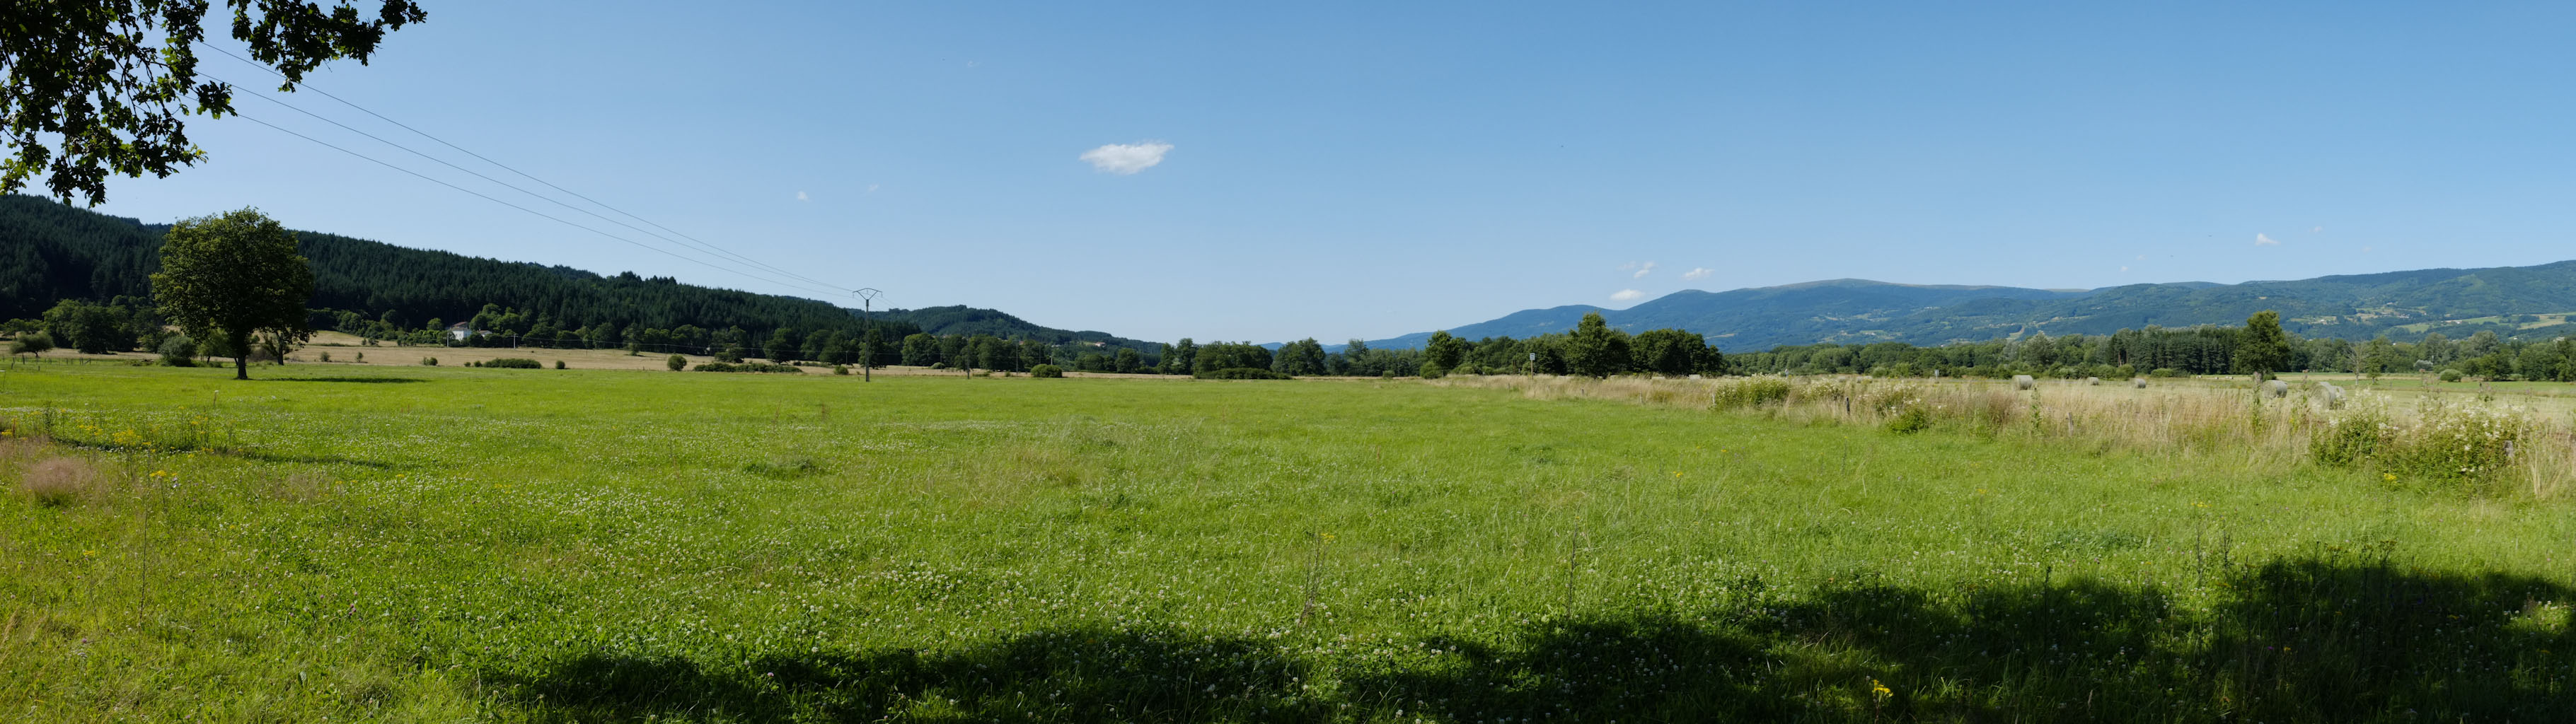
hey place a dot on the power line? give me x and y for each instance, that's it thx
(471, 172)
(540, 214)
(548, 184)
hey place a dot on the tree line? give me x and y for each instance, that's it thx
(2199, 350)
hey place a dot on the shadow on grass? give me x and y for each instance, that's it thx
(357, 380)
(2327, 639)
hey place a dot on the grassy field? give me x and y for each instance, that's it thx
(405, 543)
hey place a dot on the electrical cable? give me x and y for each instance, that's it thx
(460, 149)
(540, 214)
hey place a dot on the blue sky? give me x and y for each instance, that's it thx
(1343, 170)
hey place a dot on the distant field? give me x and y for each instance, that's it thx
(405, 543)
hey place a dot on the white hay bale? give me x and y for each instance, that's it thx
(2276, 388)
(2138, 382)
(2024, 382)
(2332, 395)
(2094, 381)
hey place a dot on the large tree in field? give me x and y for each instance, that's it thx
(2265, 348)
(1596, 350)
(99, 87)
(235, 275)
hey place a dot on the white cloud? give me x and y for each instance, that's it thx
(1626, 295)
(2142, 257)
(2313, 230)
(1643, 270)
(2124, 270)
(1126, 158)
(2261, 240)
(800, 196)
(872, 188)
(1698, 273)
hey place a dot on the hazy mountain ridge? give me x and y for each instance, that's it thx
(2354, 306)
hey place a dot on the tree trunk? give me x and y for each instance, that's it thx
(241, 356)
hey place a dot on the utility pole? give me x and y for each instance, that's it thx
(867, 303)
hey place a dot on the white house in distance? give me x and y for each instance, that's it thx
(460, 330)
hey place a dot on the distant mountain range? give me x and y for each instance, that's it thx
(1858, 311)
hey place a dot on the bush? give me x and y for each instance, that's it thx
(1237, 373)
(1915, 418)
(60, 481)
(179, 351)
(843, 370)
(939, 365)
(429, 361)
(1749, 392)
(35, 343)
(2167, 372)
(1051, 371)
(676, 363)
(2451, 375)
(515, 363)
(560, 365)
(326, 356)
(2354, 437)
(749, 367)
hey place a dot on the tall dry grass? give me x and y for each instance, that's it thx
(2459, 440)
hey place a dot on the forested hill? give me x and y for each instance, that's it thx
(971, 321)
(2524, 302)
(50, 252)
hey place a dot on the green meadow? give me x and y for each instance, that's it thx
(464, 545)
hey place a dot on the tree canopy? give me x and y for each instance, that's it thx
(235, 275)
(2265, 348)
(107, 83)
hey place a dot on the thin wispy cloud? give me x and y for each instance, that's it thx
(1698, 273)
(1126, 158)
(872, 188)
(1642, 271)
(1626, 295)
(2261, 240)
(800, 196)
(2315, 229)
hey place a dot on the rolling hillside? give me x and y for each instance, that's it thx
(50, 251)
(2402, 304)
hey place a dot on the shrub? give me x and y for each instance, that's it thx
(326, 356)
(358, 357)
(179, 351)
(2168, 372)
(2451, 375)
(1051, 371)
(843, 370)
(1914, 419)
(560, 365)
(2462, 442)
(1748, 392)
(429, 361)
(676, 363)
(1237, 373)
(2353, 437)
(515, 363)
(748, 367)
(59, 481)
(35, 343)
(939, 365)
